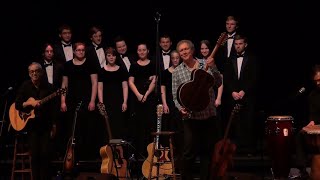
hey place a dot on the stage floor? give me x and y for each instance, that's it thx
(257, 167)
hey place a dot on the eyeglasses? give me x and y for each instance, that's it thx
(34, 71)
(80, 50)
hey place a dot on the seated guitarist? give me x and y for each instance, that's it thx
(39, 128)
(200, 128)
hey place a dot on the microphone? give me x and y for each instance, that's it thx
(158, 15)
(301, 91)
(7, 91)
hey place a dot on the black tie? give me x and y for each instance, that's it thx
(165, 54)
(47, 64)
(98, 47)
(240, 55)
(230, 37)
(66, 45)
(123, 55)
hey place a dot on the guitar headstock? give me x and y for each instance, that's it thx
(159, 110)
(236, 108)
(79, 106)
(62, 91)
(102, 109)
(222, 38)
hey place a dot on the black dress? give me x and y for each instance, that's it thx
(113, 100)
(88, 127)
(143, 121)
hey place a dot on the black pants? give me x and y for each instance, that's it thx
(40, 152)
(199, 139)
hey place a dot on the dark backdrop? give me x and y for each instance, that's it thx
(282, 36)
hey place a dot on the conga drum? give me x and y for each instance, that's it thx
(279, 131)
(312, 137)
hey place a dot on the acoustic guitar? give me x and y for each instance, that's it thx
(162, 164)
(224, 150)
(69, 159)
(113, 161)
(194, 94)
(19, 119)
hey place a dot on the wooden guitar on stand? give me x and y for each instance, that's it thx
(69, 160)
(163, 165)
(223, 151)
(194, 94)
(113, 161)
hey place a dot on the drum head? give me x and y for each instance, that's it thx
(280, 118)
(312, 129)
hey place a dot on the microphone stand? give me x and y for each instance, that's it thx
(158, 70)
(3, 116)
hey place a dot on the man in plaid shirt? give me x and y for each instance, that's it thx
(201, 127)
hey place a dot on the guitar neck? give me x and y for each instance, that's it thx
(216, 47)
(228, 128)
(235, 109)
(75, 120)
(47, 98)
(159, 119)
(158, 130)
(108, 127)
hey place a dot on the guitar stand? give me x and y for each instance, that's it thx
(113, 144)
(163, 133)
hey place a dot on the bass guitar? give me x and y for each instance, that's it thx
(194, 94)
(163, 165)
(223, 151)
(19, 119)
(113, 161)
(68, 162)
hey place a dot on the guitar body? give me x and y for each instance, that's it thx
(113, 161)
(165, 168)
(69, 158)
(194, 94)
(107, 159)
(119, 169)
(222, 157)
(19, 119)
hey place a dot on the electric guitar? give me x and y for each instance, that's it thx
(113, 161)
(162, 164)
(194, 94)
(68, 163)
(19, 119)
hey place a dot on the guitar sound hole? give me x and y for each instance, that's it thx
(69, 157)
